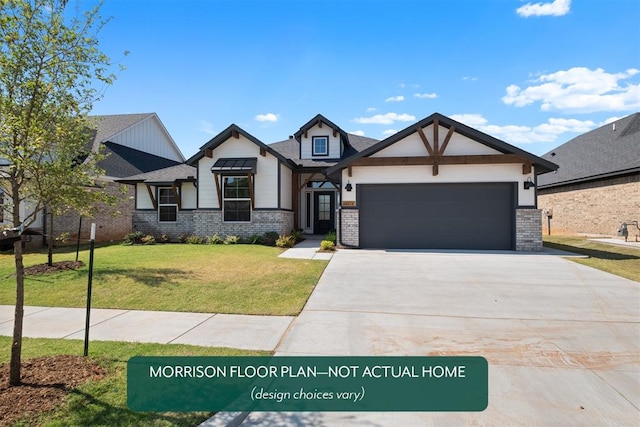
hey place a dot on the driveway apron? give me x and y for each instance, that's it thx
(562, 339)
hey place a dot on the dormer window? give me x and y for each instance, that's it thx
(320, 146)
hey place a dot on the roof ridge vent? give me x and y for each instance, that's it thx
(614, 126)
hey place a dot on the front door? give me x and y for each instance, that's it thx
(324, 212)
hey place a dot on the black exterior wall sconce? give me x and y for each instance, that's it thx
(348, 187)
(529, 184)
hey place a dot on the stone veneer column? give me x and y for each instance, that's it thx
(349, 227)
(529, 230)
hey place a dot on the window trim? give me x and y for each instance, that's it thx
(314, 152)
(160, 204)
(241, 199)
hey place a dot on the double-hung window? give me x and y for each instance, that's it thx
(236, 198)
(167, 205)
(320, 146)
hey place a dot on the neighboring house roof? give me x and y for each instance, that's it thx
(121, 161)
(229, 133)
(290, 149)
(170, 175)
(610, 150)
(542, 165)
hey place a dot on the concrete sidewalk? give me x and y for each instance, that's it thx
(203, 329)
(307, 249)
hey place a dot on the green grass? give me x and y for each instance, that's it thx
(104, 402)
(241, 279)
(619, 260)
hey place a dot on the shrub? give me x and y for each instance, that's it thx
(332, 236)
(254, 239)
(232, 240)
(269, 238)
(327, 245)
(297, 235)
(164, 238)
(285, 241)
(134, 238)
(194, 240)
(215, 240)
(148, 240)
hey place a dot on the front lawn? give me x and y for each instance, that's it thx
(619, 260)
(241, 279)
(103, 401)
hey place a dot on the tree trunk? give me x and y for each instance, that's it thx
(16, 346)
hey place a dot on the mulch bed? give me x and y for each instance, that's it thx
(57, 266)
(46, 382)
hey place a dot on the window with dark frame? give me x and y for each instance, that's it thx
(320, 146)
(167, 205)
(236, 199)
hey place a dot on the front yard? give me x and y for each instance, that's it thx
(239, 279)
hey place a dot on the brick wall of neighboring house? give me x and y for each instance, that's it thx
(112, 222)
(597, 207)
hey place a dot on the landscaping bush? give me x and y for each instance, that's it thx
(269, 238)
(232, 240)
(285, 241)
(327, 245)
(332, 236)
(194, 240)
(134, 238)
(148, 240)
(254, 239)
(297, 235)
(215, 240)
(164, 238)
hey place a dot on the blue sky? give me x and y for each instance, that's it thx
(534, 74)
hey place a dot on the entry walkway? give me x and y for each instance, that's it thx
(203, 329)
(307, 249)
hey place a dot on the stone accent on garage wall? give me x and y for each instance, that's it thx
(349, 227)
(596, 207)
(528, 230)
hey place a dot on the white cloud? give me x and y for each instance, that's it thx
(385, 119)
(371, 109)
(473, 79)
(578, 90)
(389, 132)
(515, 134)
(269, 117)
(357, 132)
(398, 98)
(425, 95)
(207, 127)
(555, 8)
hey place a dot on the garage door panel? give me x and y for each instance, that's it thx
(438, 216)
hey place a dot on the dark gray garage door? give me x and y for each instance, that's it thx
(437, 216)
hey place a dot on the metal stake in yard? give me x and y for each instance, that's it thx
(86, 326)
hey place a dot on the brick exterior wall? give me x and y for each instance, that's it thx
(349, 227)
(529, 230)
(597, 207)
(112, 222)
(206, 223)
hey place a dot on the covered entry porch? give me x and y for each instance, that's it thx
(315, 201)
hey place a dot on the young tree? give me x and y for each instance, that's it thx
(49, 66)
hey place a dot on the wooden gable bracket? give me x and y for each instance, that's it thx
(208, 152)
(478, 159)
(305, 133)
(263, 152)
(216, 178)
(154, 202)
(335, 133)
(349, 171)
(526, 168)
(304, 184)
(235, 134)
(251, 186)
(176, 194)
(319, 123)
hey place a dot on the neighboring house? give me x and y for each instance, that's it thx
(435, 184)
(132, 143)
(597, 186)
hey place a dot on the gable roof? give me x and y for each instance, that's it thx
(542, 165)
(223, 136)
(318, 119)
(166, 176)
(610, 150)
(290, 149)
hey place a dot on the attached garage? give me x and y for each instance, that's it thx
(437, 216)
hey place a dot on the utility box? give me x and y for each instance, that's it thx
(623, 231)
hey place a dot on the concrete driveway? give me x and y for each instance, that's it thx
(562, 340)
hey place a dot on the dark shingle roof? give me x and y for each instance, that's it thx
(290, 149)
(123, 161)
(181, 172)
(610, 150)
(110, 125)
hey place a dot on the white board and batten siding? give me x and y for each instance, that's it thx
(459, 145)
(149, 136)
(335, 147)
(286, 182)
(266, 177)
(188, 194)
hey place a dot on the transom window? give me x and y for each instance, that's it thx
(320, 146)
(236, 199)
(167, 205)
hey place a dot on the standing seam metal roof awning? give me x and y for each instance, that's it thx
(247, 165)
